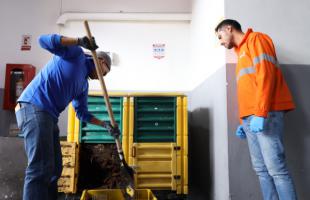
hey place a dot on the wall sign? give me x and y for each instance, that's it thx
(26, 43)
(159, 50)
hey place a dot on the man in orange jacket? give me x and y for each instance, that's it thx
(263, 98)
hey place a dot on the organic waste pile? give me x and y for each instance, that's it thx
(99, 167)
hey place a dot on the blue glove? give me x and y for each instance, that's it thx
(240, 132)
(257, 124)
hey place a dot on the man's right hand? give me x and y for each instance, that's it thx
(86, 43)
(240, 132)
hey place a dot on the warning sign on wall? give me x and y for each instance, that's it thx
(26, 43)
(159, 50)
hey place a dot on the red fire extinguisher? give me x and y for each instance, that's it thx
(18, 76)
(17, 84)
(19, 88)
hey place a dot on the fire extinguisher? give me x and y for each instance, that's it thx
(19, 88)
(17, 84)
(17, 77)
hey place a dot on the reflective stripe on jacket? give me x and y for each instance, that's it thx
(260, 83)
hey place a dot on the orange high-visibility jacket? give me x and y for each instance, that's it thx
(260, 83)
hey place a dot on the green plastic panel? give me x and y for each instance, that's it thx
(155, 119)
(90, 133)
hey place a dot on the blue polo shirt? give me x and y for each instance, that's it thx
(62, 80)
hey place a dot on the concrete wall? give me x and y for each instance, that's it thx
(208, 153)
(297, 127)
(242, 179)
(243, 182)
(208, 156)
(284, 21)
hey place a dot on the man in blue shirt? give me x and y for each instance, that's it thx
(63, 79)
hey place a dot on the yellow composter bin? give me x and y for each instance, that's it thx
(116, 194)
(160, 159)
(160, 165)
(70, 155)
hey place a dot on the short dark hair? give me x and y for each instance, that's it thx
(236, 25)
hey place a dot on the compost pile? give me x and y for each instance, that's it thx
(99, 167)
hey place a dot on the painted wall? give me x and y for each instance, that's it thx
(206, 54)
(208, 128)
(284, 21)
(132, 43)
(242, 179)
(297, 127)
(136, 68)
(39, 17)
(34, 17)
(208, 153)
(17, 18)
(281, 20)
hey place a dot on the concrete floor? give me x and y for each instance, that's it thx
(12, 167)
(13, 162)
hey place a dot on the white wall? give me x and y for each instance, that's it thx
(36, 17)
(208, 59)
(285, 21)
(136, 67)
(33, 17)
(207, 56)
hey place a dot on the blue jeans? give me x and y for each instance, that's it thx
(43, 150)
(268, 158)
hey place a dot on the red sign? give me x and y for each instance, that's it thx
(159, 50)
(26, 43)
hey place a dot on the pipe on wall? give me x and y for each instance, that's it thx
(174, 17)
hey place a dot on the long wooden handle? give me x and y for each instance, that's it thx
(130, 187)
(100, 76)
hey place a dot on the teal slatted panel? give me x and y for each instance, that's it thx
(155, 119)
(90, 133)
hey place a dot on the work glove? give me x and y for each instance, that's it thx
(257, 124)
(113, 131)
(240, 132)
(86, 43)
